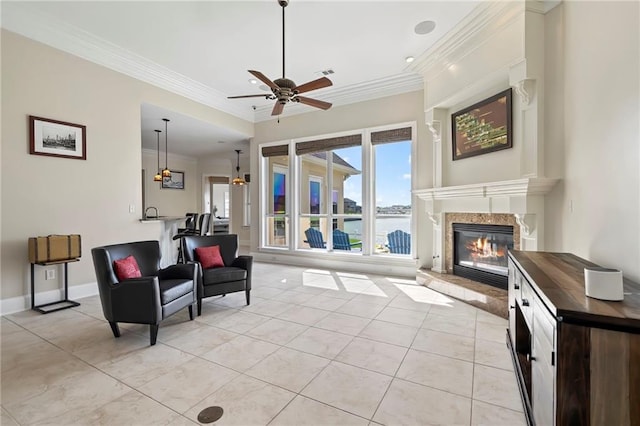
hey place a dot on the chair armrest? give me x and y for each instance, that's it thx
(137, 300)
(198, 276)
(182, 270)
(244, 262)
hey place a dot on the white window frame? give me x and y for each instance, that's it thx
(293, 178)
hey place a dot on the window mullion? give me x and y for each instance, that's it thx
(329, 194)
(294, 199)
(368, 210)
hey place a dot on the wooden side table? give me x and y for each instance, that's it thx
(60, 304)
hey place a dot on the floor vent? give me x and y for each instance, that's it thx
(210, 414)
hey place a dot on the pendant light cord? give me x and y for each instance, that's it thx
(166, 144)
(283, 74)
(158, 135)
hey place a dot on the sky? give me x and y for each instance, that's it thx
(392, 170)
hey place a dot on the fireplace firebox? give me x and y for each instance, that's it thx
(480, 252)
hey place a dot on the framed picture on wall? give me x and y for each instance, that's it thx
(57, 138)
(483, 127)
(175, 181)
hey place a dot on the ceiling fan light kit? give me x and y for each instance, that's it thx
(284, 90)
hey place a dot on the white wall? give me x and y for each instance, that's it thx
(473, 70)
(595, 66)
(46, 195)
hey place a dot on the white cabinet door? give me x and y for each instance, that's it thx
(542, 365)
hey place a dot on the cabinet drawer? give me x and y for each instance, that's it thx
(526, 302)
(515, 280)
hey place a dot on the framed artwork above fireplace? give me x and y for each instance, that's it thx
(483, 127)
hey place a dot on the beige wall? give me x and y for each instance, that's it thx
(594, 89)
(44, 195)
(171, 202)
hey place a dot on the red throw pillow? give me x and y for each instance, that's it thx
(126, 268)
(209, 257)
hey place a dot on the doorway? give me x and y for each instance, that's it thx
(217, 201)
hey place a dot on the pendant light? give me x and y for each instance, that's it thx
(166, 172)
(158, 176)
(238, 180)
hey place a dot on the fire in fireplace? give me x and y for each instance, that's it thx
(480, 252)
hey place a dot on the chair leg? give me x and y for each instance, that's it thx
(153, 333)
(199, 307)
(191, 312)
(115, 329)
(248, 293)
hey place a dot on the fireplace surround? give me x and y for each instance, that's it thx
(480, 252)
(518, 203)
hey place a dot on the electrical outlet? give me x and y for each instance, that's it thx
(132, 208)
(50, 274)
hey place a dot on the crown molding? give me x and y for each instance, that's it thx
(22, 19)
(484, 20)
(383, 87)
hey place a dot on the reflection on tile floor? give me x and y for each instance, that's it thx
(315, 347)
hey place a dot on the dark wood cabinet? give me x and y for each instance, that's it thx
(577, 359)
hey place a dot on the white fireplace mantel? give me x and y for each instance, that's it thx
(509, 188)
(523, 198)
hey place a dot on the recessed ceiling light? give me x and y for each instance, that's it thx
(253, 81)
(264, 87)
(409, 59)
(425, 27)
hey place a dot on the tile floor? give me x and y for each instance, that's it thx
(315, 347)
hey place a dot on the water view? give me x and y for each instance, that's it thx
(384, 225)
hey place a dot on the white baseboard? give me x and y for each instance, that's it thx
(23, 303)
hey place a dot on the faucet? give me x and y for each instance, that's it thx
(146, 216)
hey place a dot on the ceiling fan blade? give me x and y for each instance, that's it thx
(249, 96)
(313, 85)
(313, 102)
(264, 79)
(277, 108)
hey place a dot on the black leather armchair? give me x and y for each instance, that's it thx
(158, 294)
(234, 276)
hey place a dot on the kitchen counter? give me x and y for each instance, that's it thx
(168, 228)
(161, 219)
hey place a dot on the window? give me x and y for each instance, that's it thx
(246, 195)
(392, 194)
(276, 175)
(315, 194)
(325, 164)
(348, 193)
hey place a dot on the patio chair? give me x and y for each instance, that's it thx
(341, 241)
(314, 238)
(399, 242)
